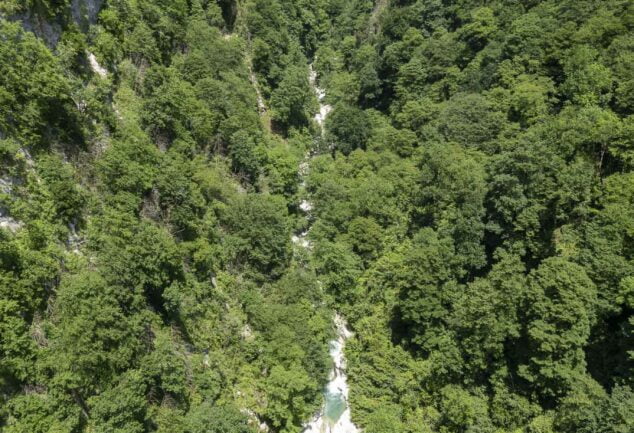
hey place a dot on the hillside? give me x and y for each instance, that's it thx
(327, 216)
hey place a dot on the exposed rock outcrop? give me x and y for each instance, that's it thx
(82, 12)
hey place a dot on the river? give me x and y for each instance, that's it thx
(334, 415)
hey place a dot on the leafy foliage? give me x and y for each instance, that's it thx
(471, 193)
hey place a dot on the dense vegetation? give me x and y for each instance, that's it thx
(473, 215)
(151, 285)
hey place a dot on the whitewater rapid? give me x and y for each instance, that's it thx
(334, 415)
(324, 109)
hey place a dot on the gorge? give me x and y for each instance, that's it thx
(316, 216)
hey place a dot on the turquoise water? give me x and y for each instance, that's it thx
(335, 406)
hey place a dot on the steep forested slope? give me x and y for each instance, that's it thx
(147, 278)
(472, 214)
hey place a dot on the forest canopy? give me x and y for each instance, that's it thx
(177, 227)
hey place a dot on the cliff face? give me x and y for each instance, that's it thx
(82, 12)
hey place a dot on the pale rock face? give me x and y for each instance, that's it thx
(96, 67)
(253, 418)
(304, 167)
(254, 83)
(8, 223)
(247, 332)
(27, 157)
(84, 13)
(6, 185)
(50, 32)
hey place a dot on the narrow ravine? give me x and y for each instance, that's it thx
(334, 415)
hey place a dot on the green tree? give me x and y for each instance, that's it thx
(486, 318)
(424, 280)
(259, 233)
(35, 95)
(347, 128)
(450, 199)
(68, 198)
(471, 120)
(293, 101)
(587, 81)
(122, 408)
(207, 418)
(290, 393)
(94, 336)
(560, 310)
(462, 411)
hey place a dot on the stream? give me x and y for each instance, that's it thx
(334, 415)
